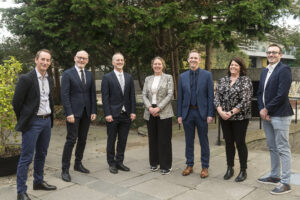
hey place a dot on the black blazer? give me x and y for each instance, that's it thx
(276, 92)
(75, 97)
(112, 97)
(26, 100)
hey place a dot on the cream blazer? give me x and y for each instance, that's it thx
(165, 90)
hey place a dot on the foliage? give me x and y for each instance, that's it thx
(15, 48)
(140, 29)
(8, 77)
(222, 58)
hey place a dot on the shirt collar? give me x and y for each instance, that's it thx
(272, 67)
(196, 71)
(118, 73)
(39, 75)
(78, 69)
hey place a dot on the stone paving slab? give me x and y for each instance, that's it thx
(141, 183)
(76, 192)
(160, 189)
(219, 189)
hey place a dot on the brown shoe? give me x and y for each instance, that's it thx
(204, 173)
(187, 171)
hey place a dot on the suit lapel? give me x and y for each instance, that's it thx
(117, 81)
(188, 81)
(272, 75)
(36, 83)
(162, 79)
(76, 76)
(151, 79)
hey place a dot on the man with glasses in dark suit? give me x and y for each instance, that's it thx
(78, 96)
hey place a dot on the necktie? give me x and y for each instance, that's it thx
(121, 79)
(82, 78)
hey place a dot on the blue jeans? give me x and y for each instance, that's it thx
(277, 134)
(35, 139)
(192, 121)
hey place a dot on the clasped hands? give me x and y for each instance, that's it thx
(264, 114)
(154, 111)
(71, 118)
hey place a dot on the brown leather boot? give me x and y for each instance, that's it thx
(204, 173)
(187, 171)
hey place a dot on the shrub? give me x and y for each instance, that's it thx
(8, 78)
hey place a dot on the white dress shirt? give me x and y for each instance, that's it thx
(118, 74)
(44, 108)
(79, 73)
(271, 69)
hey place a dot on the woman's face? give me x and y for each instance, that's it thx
(157, 66)
(234, 68)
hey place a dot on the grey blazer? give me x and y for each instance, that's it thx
(163, 97)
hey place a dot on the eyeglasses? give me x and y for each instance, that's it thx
(81, 58)
(272, 52)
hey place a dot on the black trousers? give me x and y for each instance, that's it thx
(119, 128)
(234, 132)
(76, 132)
(160, 146)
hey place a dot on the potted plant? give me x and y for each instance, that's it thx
(9, 150)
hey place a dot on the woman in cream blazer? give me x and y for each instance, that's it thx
(157, 95)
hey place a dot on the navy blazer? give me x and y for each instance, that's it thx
(205, 94)
(75, 97)
(276, 92)
(112, 97)
(26, 100)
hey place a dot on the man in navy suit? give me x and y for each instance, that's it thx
(276, 112)
(118, 98)
(195, 109)
(78, 95)
(33, 105)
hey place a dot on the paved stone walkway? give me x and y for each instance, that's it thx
(140, 183)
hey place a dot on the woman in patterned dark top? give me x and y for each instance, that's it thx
(233, 103)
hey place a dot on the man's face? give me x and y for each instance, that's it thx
(81, 59)
(118, 62)
(194, 60)
(43, 62)
(273, 55)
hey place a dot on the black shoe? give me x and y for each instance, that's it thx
(165, 171)
(154, 168)
(65, 175)
(79, 167)
(113, 169)
(43, 186)
(122, 167)
(242, 176)
(229, 173)
(23, 196)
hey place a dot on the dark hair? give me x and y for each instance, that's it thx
(242, 64)
(40, 51)
(276, 45)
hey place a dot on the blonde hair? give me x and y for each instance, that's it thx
(161, 59)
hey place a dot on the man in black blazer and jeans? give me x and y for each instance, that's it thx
(118, 98)
(78, 96)
(33, 105)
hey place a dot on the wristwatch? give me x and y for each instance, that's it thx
(231, 112)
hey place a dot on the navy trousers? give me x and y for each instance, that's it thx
(192, 121)
(36, 139)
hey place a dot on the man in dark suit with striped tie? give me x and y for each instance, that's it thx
(78, 96)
